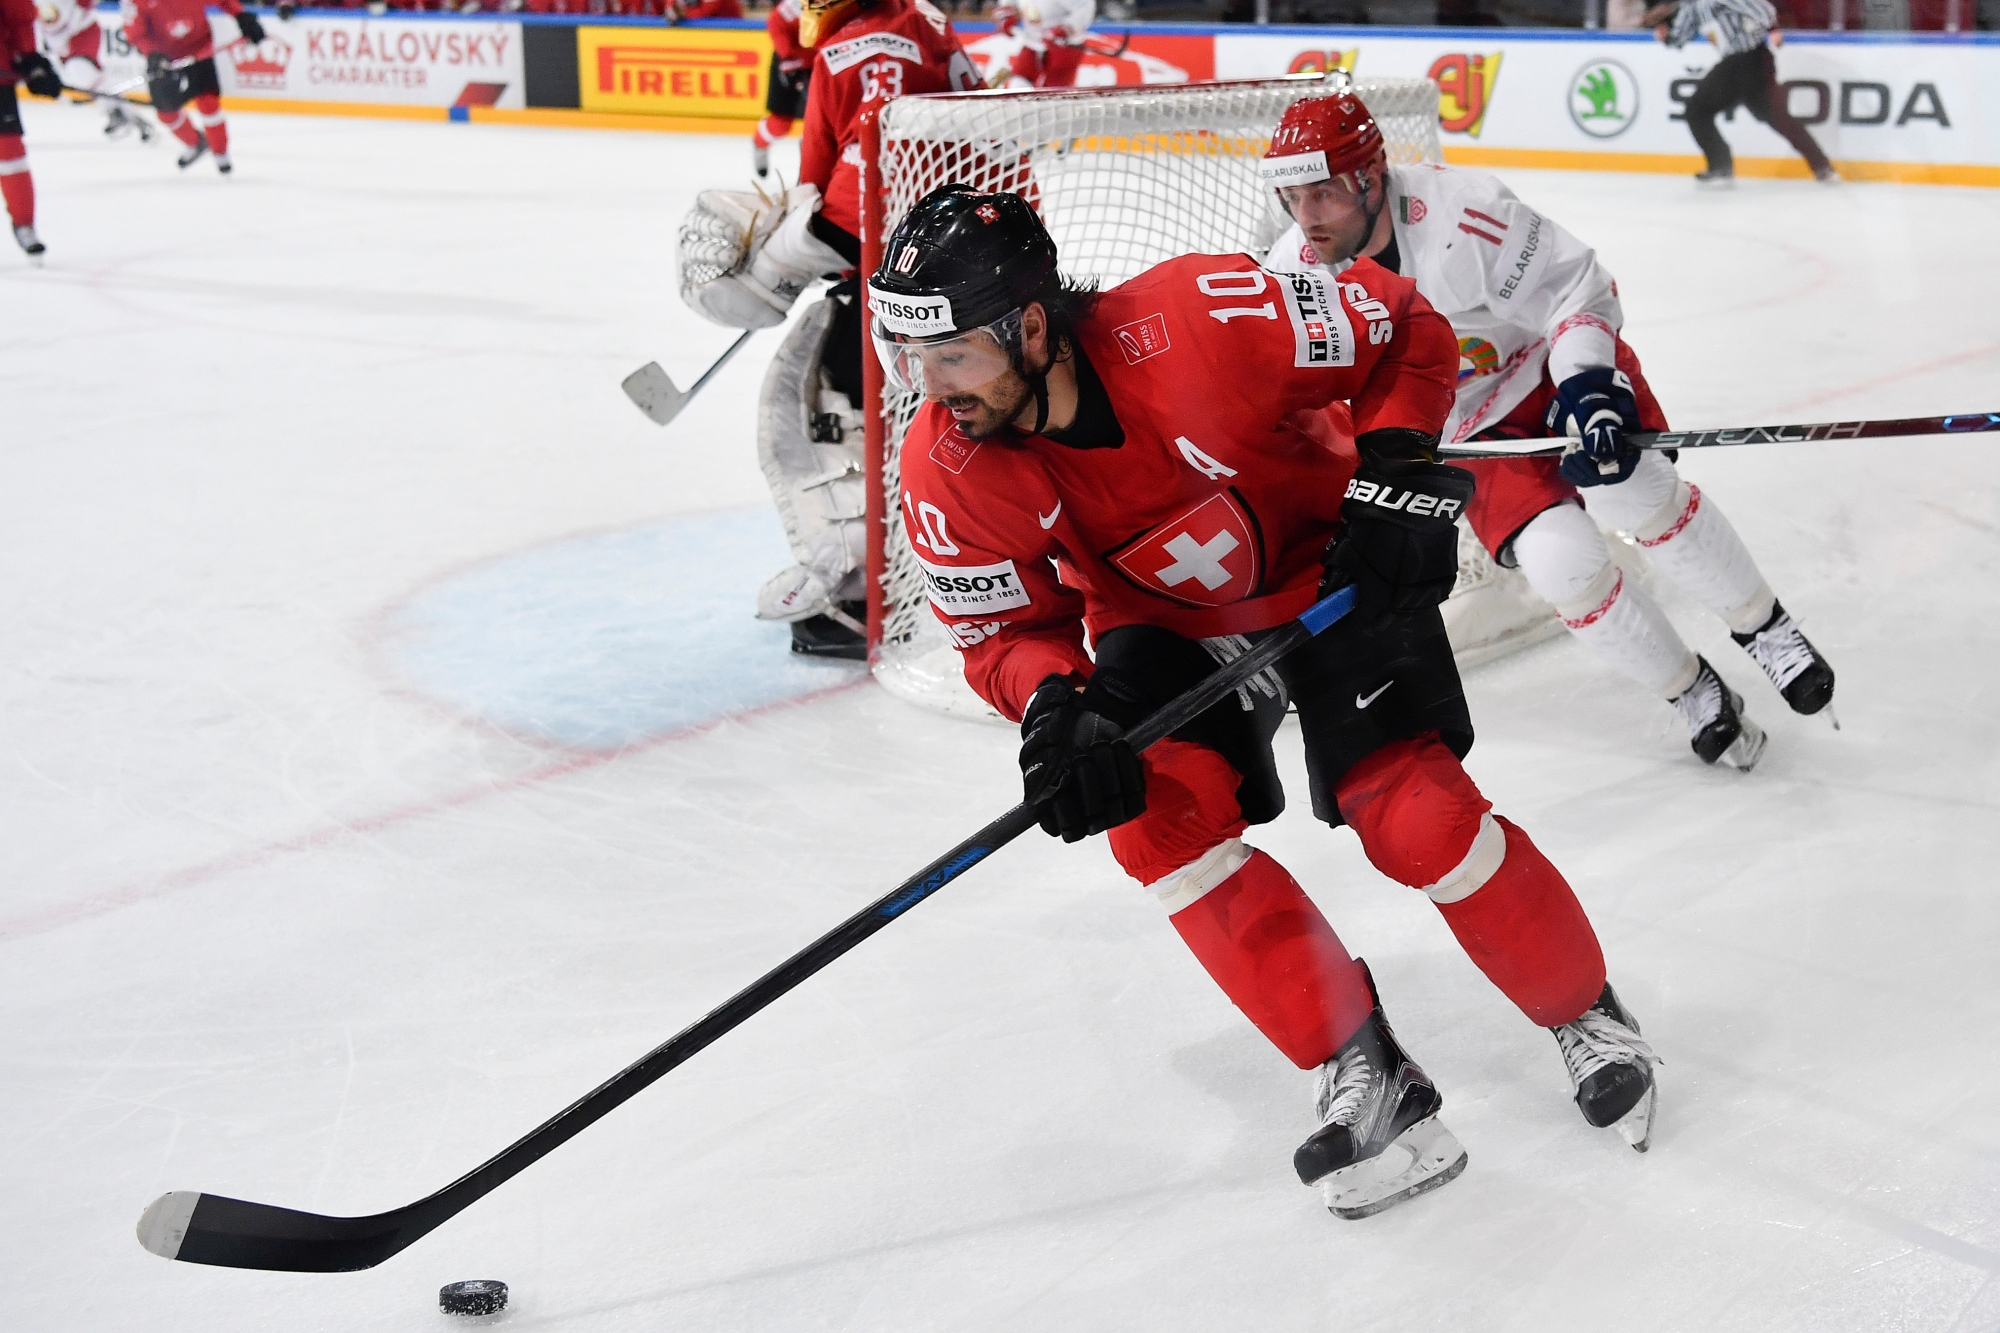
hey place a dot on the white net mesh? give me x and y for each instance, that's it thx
(1124, 179)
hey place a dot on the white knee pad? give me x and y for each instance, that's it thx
(1564, 558)
(79, 72)
(1193, 881)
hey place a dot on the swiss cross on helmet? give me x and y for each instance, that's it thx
(1319, 139)
(948, 296)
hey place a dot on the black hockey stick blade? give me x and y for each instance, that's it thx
(233, 1233)
(656, 393)
(1963, 423)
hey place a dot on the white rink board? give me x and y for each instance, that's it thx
(321, 57)
(282, 920)
(1899, 99)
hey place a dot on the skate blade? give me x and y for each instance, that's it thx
(1748, 747)
(1827, 713)
(1423, 1157)
(1636, 1125)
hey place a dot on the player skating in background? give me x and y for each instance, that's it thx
(1052, 35)
(20, 62)
(1745, 76)
(174, 37)
(866, 53)
(73, 41)
(1537, 321)
(1152, 466)
(785, 89)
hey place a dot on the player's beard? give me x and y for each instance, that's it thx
(1000, 402)
(1338, 242)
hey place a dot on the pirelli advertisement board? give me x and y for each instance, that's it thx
(716, 74)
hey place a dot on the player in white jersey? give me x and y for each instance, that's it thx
(1052, 33)
(71, 38)
(1537, 319)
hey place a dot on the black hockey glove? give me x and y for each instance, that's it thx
(1077, 762)
(1398, 543)
(1595, 408)
(156, 67)
(285, 10)
(250, 26)
(37, 74)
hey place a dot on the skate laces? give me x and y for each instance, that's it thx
(1597, 1040)
(1781, 650)
(1701, 702)
(1345, 1084)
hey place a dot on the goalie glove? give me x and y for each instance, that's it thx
(1595, 408)
(745, 256)
(1398, 542)
(1076, 762)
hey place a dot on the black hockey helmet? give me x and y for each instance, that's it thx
(948, 296)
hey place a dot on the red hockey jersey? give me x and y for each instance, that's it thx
(1211, 516)
(17, 35)
(783, 25)
(176, 29)
(886, 50)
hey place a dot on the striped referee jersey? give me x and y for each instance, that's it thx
(1735, 26)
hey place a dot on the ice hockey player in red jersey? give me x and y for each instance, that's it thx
(785, 89)
(744, 260)
(1537, 319)
(1152, 466)
(174, 37)
(20, 61)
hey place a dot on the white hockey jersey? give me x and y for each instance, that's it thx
(57, 21)
(1044, 23)
(1524, 296)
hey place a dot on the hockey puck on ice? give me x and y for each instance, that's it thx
(479, 1296)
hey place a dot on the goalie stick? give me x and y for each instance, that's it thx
(1963, 423)
(655, 393)
(233, 1233)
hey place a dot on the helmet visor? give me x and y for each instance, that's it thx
(948, 363)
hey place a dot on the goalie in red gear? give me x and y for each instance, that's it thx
(1153, 466)
(174, 37)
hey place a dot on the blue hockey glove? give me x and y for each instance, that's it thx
(1596, 408)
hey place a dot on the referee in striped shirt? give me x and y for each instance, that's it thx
(1746, 76)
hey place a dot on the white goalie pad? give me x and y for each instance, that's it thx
(819, 485)
(744, 256)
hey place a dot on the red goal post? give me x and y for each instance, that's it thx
(1125, 177)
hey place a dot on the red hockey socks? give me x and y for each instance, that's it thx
(769, 130)
(1528, 934)
(209, 108)
(1423, 822)
(183, 127)
(1268, 947)
(16, 185)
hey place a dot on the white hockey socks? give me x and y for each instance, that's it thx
(1566, 562)
(1688, 537)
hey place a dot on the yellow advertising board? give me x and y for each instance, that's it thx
(714, 73)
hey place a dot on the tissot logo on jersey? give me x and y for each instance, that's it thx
(842, 55)
(1320, 331)
(1409, 501)
(971, 590)
(1209, 556)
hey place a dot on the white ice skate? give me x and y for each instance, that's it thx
(1379, 1141)
(31, 243)
(1611, 1070)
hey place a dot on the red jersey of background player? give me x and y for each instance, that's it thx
(1211, 516)
(17, 35)
(783, 25)
(176, 29)
(884, 51)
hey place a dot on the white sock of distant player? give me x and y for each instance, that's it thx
(1687, 537)
(1564, 557)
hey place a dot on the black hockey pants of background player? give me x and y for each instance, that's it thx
(1748, 79)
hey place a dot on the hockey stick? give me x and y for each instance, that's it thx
(232, 1233)
(1098, 48)
(1964, 423)
(105, 97)
(654, 390)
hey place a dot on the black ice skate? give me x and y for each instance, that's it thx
(1379, 1141)
(1611, 1070)
(828, 636)
(194, 154)
(760, 158)
(1723, 176)
(30, 242)
(1790, 660)
(1715, 722)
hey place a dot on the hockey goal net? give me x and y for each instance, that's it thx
(1124, 178)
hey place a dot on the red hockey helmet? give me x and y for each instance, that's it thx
(1321, 138)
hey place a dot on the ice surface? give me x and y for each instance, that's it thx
(326, 873)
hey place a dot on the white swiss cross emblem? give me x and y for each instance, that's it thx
(1206, 557)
